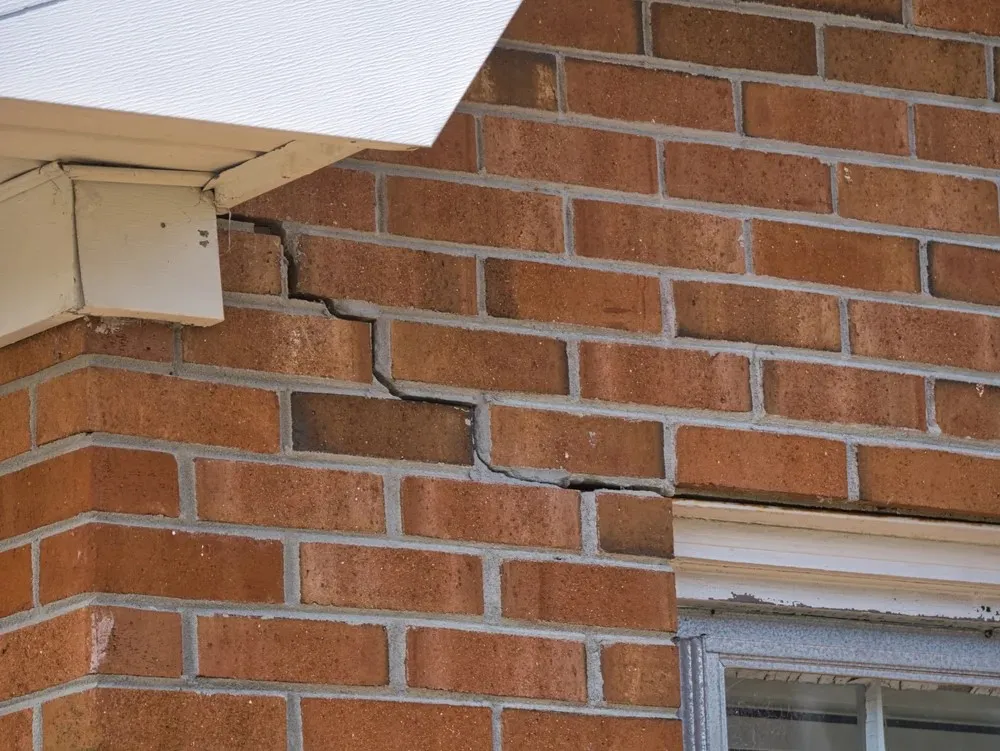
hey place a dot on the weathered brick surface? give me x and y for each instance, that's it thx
(15, 417)
(957, 15)
(15, 729)
(635, 525)
(330, 197)
(561, 731)
(958, 272)
(16, 593)
(250, 263)
(516, 78)
(978, 146)
(881, 10)
(611, 26)
(968, 410)
(640, 674)
(454, 149)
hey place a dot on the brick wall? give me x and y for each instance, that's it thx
(414, 492)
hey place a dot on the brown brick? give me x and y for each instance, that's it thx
(880, 10)
(563, 154)
(833, 393)
(590, 444)
(641, 674)
(487, 360)
(454, 149)
(160, 563)
(109, 718)
(664, 377)
(825, 118)
(266, 649)
(384, 428)
(15, 595)
(89, 641)
(635, 525)
(351, 576)
(331, 197)
(140, 340)
(473, 215)
(250, 262)
(958, 15)
(758, 315)
(901, 61)
(528, 730)
(365, 725)
(734, 40)
(929, 482)
(760, 465)
(496, 664)
(280, 343)
(396, 277)
(724, 175)
(625, 92)
(562, 294)
(961, 273)
(15, 729)
(593, 595)
(15, 417)
(156, 406)
(829, 256)
(516, 78)
(503, 514)
(968, 410)
(90, 479)
(942, 337)
(657, 236)
(978, 146)
(283, 496)
(609, 25)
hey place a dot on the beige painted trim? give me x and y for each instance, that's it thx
(177, 178)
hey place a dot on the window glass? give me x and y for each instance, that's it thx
(941, 718)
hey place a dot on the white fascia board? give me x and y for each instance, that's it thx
(387, 71)
(766, 556)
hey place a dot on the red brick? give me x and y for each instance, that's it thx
(968, 410)
(487, 360)
(825, 118)
(958, 15)
(384, 428)
(635, 525)
(942, 337)
(609, 25)
(292, 497)
(15, 418)
(734, 40)
(472, 215)
(89, 641)
(156, 406)
(280, 343)
(525, 730)
(758, 315)
(562, 294)
(624, 92)
(641, 674)
(395, 277)
(590, 444)
(880, 10)
(961, 273)
(331, 197)
(760, 465)
(454, 149)
(929, 482)
(15, 596)
(496, 664)
(557, 153)
(15, 729)
(592, 595)
(265, 649)
(503, 514)
(250, 262)
(365, 725)
(160, 563)
(664, 377)
(140, 340)
(657, 236)
(109, 718)
(902, 61)
(724, 175)
(516, 78)
(978, 146)
(350, 576)
(828, 256)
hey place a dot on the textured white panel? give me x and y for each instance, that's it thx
(377, 70)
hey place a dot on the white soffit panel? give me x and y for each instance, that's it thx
(389, 71)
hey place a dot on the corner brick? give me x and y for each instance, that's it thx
(250, 263)
(330, 197)
(958, 272)
(609, 26)
(516, 78)
(15, 417)
(642, 675)
(526, 730)
(635, 525)
(454, 149)
(15, 596)
(968, 410)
